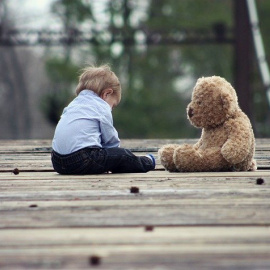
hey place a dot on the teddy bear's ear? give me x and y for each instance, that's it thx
(229, 101)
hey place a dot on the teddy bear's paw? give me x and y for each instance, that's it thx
(231, 155)
(186, 158)
(165, 154)
(253, 166)
(245, 166)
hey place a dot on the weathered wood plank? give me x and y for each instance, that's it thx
(138, 235)
(152, 184)
(158, 175)
(77, 204)
(31, 184)
(132, 257)
(124, 184)
(127, 212)
(166, 248)
(151, 212)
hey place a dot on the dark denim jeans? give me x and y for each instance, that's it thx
(100, 160)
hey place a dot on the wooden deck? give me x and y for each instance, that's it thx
(175, 221)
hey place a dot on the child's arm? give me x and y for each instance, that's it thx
(109, 135)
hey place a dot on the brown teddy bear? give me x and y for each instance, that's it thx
(227, 141)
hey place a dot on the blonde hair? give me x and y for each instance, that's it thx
(97, 79)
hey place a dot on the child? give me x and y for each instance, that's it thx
(85, 140)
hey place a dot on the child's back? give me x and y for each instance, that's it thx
(85, 122)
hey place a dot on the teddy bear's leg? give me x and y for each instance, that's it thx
(188, 159)
(165, 154)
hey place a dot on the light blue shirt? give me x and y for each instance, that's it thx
(87, 121)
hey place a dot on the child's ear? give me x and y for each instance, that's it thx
(106, 92)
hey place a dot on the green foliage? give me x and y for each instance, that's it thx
(63, 75)
(52, 104)
(210, 60)
(72, 11)
(194, 14)
(151, 108)
(153, 105)
(261, 105)
(61, 70)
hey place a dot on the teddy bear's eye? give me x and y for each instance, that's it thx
(199, 103)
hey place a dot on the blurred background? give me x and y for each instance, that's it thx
(158, 49)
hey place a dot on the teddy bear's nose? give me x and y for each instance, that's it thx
(190, 112)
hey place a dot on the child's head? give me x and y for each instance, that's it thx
(99, 79)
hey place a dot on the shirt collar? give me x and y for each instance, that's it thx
(88, 92)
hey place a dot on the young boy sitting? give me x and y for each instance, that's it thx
(85, 140)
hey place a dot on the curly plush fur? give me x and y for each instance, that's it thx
(227, 141)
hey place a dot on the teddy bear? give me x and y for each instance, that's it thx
(227, 141)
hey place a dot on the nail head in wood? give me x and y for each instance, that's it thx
(259, 181)
(16, 171)
(149, 228)
(94, 260)
(134, 190)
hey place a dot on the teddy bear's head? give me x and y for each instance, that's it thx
(213, 102)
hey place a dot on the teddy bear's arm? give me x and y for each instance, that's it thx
(236, 148)
(197, 145)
